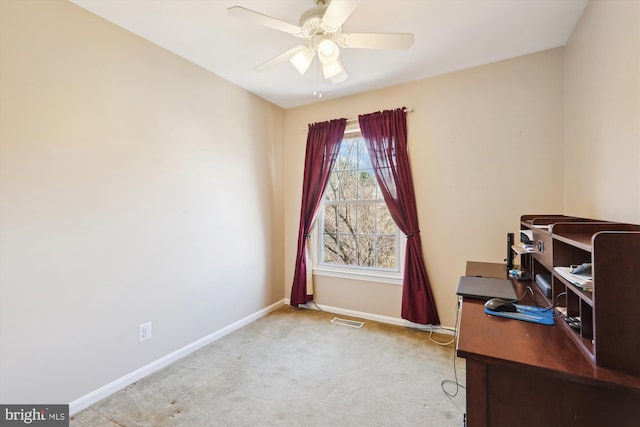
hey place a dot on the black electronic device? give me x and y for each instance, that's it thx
(543, 281)
(509, 259)
(485, 288)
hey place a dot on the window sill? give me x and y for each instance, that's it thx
(393, 278)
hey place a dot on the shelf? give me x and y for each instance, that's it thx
(581, 235)
(542, 220)
(586, 344)
(582, 241)
(581, 293)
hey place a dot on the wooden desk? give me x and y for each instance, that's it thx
(526, 374)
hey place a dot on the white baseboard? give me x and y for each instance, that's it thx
(378, 318)
(114, 386)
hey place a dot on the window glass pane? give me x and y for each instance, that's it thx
(349, 185)
(366, 251)
(346, 219)
(332, 192)
(386, 251)
(368, 185)
(385, 223)
(347, 154)
(331, 251)
(331, 219)
(348, 254)
(364, 161)
(367, 218)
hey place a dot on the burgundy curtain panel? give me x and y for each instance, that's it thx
(385, 135)
(323, 145)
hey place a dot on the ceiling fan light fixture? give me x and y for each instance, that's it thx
(332, 69)
(302, 60)
(328, 51)
(341, 76)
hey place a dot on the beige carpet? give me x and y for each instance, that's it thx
(294, 367)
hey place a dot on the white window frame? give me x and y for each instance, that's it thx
(369, 274)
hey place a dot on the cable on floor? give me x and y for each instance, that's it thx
(455, 371)
(315, 305)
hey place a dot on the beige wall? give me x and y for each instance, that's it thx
(602, 113)
(485, 146)
(135, 186)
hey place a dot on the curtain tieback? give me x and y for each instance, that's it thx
(411, 234)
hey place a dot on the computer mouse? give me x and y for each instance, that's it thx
(499, 304)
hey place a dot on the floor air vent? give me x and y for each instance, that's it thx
(345, 322)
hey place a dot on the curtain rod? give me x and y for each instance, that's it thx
(406, 110)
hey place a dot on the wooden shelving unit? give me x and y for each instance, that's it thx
(609, 314)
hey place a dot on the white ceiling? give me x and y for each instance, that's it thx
(450, 35)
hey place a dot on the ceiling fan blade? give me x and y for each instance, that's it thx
(337, 12)
(384, 41)
(264, 20)
(283, 57)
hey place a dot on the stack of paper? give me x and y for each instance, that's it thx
(582, 280)
(521, 248)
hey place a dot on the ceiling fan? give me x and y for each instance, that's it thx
(320, 28)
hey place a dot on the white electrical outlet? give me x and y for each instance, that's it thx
(144, 331)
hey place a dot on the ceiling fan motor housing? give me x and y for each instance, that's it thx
(311, 24)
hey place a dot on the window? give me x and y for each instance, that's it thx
(356, 232)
